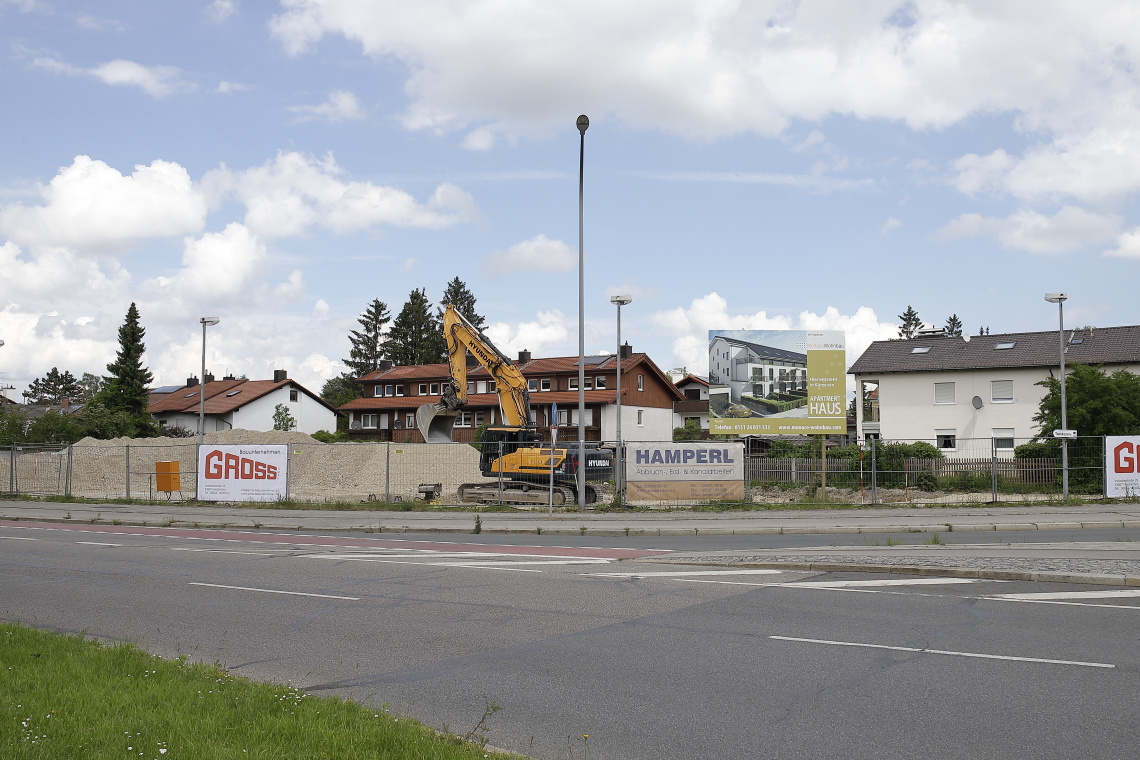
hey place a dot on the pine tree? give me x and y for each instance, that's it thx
(911, 323)
(954, 326)
(55, 385)
(367, 350)
(126, 389)
(463, 300)
(415, 336)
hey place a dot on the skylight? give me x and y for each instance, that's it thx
(1003, 346)
(1075, 341)
(232, 393)
(919, 350)
(191, 395)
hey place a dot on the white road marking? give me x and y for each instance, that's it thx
(96, 543)
(883, 582)
(675, 574)
(274, 591)
(943, 651)
(220, 551)
(476, 563)
(1114, 594)
(20, 538)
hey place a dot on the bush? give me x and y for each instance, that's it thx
(325, 436)
(1037, 450)
(690, 432)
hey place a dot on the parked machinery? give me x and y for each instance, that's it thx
(514, 450)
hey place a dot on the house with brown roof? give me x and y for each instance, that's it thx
(387, 412)
(239, 403)
(941, 388)
(696, 404)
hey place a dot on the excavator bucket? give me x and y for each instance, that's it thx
(435, 426)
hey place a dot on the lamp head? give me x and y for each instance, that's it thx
(210, 320)
(621, 300)
(1056, 297)
(583, 123)
(1, 343)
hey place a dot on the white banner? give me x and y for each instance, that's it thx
(684, 471)
(242, 472)
(1122, 466)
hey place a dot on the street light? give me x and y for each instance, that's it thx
(619, 301)
(1059, 299)
(206, 321)
(583, 124)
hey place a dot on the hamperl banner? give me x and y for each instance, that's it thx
(242, 472)
(1122, 466)
(684, 471)
(773, 382)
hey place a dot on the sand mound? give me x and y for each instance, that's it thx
(237, 436)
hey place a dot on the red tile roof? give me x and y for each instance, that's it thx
(475, 400)
(218, 400)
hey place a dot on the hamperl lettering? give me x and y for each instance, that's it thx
(683, 456)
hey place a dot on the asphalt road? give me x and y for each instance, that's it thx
(574, 640)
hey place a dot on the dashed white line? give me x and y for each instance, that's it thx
(21, 538)
(944, 652)
(96, 543)
(220, 551)
(884, 582)
(1053, 595)
(275, 591)
(676, 574)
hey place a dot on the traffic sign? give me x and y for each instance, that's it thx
(1060, 433)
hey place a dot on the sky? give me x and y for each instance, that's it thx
(759, 165)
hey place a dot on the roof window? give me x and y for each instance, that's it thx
(915, 350)
(1077, 341)
(191, 395)
(1003, 346)
(232, 393)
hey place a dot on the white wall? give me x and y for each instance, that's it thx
(310, 414)
(657, 423)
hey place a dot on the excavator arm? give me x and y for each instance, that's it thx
(435, 421)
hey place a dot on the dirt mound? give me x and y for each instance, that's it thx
(237, 436)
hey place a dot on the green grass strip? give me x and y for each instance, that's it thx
(63, 696)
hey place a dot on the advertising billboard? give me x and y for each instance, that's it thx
(703, 471)
(773, 382)
(1122, 466)
(242, 472)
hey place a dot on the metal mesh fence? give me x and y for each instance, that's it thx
(919, 471)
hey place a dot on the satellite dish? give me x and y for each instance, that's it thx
(356, 425)
(977, 402)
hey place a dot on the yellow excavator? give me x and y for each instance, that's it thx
(512, 452)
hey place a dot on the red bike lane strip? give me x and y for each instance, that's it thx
(369, 543)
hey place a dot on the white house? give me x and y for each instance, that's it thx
(943, 389)
(754, 370)
(245, 404)
(696, 404)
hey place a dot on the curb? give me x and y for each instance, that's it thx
(943, 572)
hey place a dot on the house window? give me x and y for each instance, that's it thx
(532, 385)
(378, 390)
(641, 417)
(589, 383)
(1001, 391)
(479, 418)
(600, 383)
(399, 390)
(694, 394)
(1003, 438)
(410, 420)
(641, 382)
(695, 420)
(944, 393)
(572, 383)
(920, 350)
(481, 386)
(294, 394)
(423, 389)
(491, 387)
(434, 389)
(368, 420)
(384, 420)
(470, 386)
(563, 417)
(464, 420)
(544, 384)
(389, 390)
(1005, 346)
(947, 439)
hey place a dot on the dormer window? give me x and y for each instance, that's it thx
(1003, 346)
(917, 350)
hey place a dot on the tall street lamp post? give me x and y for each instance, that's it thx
(619, 301)
(206, 321)
(583, 124)
(1059, 299)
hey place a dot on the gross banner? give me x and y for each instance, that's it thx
(698, 471)
(1122, 466)
(777, 382)
(242, 472)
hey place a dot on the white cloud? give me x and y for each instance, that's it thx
(1127, 245)
(158, 81)
(689, 327)
(97, 24)
(220, 10)
(340, 105)
(548, 329)
(225, 87)
(1070, 228)
(538, 254)
(889, 225)
(286, 196)
(90, 204)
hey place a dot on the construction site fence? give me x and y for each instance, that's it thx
(920, 471)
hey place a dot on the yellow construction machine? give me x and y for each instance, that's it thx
(512, 452)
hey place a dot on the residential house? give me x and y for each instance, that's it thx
(942, 389)
(246, 404)
(696, 403)
(387, 412)
(750, 369)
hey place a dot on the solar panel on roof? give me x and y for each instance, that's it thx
(590, 361)
(167, 389)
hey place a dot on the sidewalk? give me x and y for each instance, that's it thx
(879, 520)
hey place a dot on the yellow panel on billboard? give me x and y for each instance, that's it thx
(777, 382)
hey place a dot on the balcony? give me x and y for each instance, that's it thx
(691, 407)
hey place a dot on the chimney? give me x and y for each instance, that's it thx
(209, 378)
(626, 351)
(191, 381)
(229, 377)
(280, 375)
(524, 357)
(385, 365)
(64, 402)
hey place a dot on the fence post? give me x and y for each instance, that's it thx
(874, 475)
(12, 472)
(387, 472)
(128, 472)
(993, 469)
(499, 464)
(288, 467)
(67, 478)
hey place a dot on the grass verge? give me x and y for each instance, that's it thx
(63, 696)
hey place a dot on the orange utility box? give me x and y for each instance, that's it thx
(167, 476)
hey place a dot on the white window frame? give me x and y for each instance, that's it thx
(368, 421)
(532, 385)
(1004, 434)
(399, 390)
(464, 420)
(470, 386)
(479, 418)
(433, 389)
(383, 421)
(563, 417)
(953, 393)
(423, 389)
(939, 434)
(410, 420)
(641, 382)
(641, 418)
(480, 386)
(492, 387)
(544, 385)
(589, 384)
(600, 382)
(572, 384)
(294, 394)
(389, 390)
(1002, 400)
(377, 391)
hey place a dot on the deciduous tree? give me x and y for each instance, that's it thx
(1097, 403)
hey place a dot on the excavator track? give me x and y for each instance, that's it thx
(516, 492)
